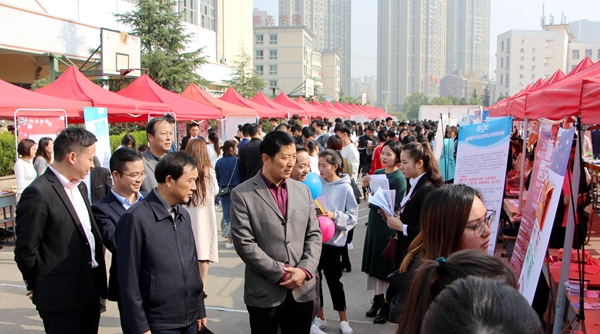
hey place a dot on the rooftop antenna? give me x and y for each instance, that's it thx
(543, 18)
(562, 18)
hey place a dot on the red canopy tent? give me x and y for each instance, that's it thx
(590, 101)
(197, 94)
(262, 99)
(72, 84)
(337, 105)
(585, 63)
(305, 108)
(557, 76)
(338, 112)
(365, 111)
(234, 97)
(327, 112)
(13, 98)
(145, 89)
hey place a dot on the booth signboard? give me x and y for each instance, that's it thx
(481, 163)
(96, 122)
(547, 176)
(38, 123)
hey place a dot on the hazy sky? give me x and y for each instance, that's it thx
(505, 15)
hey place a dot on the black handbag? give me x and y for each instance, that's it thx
(226, 191)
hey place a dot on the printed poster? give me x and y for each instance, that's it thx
(35, 124)
(481, 163)
(96, 122)
(547, 176)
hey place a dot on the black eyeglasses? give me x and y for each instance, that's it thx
(136, 176)
(480, 227)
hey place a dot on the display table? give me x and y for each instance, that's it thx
(8, 202)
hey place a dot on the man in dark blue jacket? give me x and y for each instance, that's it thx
(159, 281)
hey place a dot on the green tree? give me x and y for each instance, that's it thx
(474, 95)
(475, 102)
(399, 114)
(39, 83)
(349, 99)
(245, 80)
(441, 101)
(455, 100)
(411, 106)
(463, 102)
(163, 44)
(486, 97)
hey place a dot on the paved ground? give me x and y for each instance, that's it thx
(226, 310)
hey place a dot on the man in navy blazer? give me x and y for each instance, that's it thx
(58, 247)
(127, 169)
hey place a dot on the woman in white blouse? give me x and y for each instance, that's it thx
(43, 156)
(24, 171)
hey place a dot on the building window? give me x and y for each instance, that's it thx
(598, 53)
(272, 54)
(259, 69)
(259, 39)
(507, 59)
(501, 77)
(190, 11)
(507, 48)
(573, 67)
(259, 54)
(272, 39)
(273, 69)
(208, 13)
(501, 62)
(272, 83)
(588, 53)
(502, 43)
(506, 81)
(575, 54)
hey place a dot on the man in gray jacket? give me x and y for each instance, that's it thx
(159, 281)
(160, 137)
(276, 233)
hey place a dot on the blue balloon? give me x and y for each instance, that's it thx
(313, 182)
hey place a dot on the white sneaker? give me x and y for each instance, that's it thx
(321, 323)
(350, 246)
(315, 330)
(345, 327)
(229, 245)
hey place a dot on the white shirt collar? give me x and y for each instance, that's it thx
(66, 183)
(414, 181)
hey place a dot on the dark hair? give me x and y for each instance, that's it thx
(245, 129)
(338, 120)
(169, 118)
(197, 150)
(370, 127)
(444, 216)
(142, 148)
(390, 134)
(389, 119)
(72, 140)
(300, 148)
(214, 137)
(24, 147)
(341, 127)
(196, 125)
(308, 131)
(475, 305)
(228, 147)
(311, 146)
(333, 158)
(320, 123)
(173, 164)
(395, 146)
(253, 129)
(381, 136)
(282, 127)
(335, 143)
(271, 144)
(121, 157)
(417, 151)
(152, 124)
(409, 139)
(42, 150)
(128, 139)
(272, 119)
(432, 276)
(296, 127)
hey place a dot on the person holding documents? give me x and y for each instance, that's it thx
(341, 207)
(374, 264)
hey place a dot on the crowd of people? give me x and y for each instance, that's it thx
(155, 211)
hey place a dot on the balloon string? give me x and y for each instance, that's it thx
(320, 208)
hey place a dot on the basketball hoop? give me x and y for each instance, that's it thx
(124, 72)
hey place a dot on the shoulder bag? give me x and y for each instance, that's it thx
(226, 191)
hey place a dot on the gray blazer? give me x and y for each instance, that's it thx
(150, 163)
(266, 242)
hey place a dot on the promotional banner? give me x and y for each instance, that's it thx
(481, 163)
(96, 122)
(439, 137)
(35, 124)
(547, 176)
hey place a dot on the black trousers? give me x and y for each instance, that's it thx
(291, 316)
(344, 252)
(330, 265)
(81, 321)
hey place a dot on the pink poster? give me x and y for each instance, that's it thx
(35, 124)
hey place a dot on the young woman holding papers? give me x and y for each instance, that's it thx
(373, 264)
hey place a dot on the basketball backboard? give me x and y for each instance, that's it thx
(121, 52)
(309, 89)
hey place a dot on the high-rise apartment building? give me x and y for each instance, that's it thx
(468, 37)
(586, 31)
(329, 21)
(411, 48)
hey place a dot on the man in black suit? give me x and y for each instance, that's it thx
(194, 134)
(250, 157)
(128, 172)
(98, 182)
(59, 248)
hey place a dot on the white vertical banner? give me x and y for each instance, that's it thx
(439, 138)
(364, 98)
(96, 122)
(481, 163)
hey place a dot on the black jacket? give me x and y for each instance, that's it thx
(411, 215)
(159, 281)
(101, 183)
(51, 249)
(250, 158)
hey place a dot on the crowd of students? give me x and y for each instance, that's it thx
(438, 271)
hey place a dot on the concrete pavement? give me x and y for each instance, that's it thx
(225, 307)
